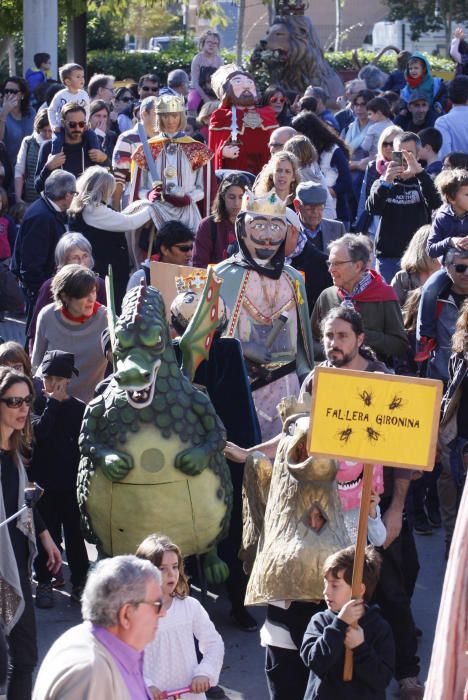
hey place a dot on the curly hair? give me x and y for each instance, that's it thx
(265, 181)
(153, 549)
(448, 182)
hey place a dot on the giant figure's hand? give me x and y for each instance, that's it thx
(231, 152)
(192, 461)
(116, 465)
(256, 352)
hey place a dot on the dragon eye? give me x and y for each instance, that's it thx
(152, 337)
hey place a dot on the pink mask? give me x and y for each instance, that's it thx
(349, 480)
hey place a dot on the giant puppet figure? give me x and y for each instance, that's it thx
(267, 307)
(168, 168)
(239, 131)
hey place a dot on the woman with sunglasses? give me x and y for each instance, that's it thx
(18, 538)
(123, 107)
(16, 115)
(364, 222)
(216, 237)
(276, 98)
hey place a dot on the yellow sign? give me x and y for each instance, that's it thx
(375, 418)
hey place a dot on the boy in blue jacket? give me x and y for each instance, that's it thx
(329, 633)
(449, 230)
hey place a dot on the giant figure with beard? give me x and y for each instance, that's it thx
(267, 307)
(239, 131)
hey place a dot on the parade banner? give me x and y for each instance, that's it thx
(171, 280)
(375, 418)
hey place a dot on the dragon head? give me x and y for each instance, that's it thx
(141, 339)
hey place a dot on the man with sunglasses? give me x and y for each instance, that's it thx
(74, 156)
(148, 86)
(103, 657)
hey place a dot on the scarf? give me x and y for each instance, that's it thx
(83, 318)
(11, 595)
(414, 82)
(301, 241)
(370, 287)
(381, 166)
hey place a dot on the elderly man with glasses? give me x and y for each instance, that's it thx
(103, 657)
(360, 288)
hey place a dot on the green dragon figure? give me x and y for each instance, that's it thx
(152, 445)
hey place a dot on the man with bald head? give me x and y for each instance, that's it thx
(278, 138)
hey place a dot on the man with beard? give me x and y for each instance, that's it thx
(418, 115)
(268, 310)
(239, 131)
(74, 156)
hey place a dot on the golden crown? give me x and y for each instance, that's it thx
(169, 103)
(269, 204)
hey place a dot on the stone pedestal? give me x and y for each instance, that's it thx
(40, 31)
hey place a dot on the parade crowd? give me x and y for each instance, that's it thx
(341, 239)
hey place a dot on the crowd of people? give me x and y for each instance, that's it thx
(342, 237)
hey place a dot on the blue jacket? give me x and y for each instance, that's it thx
(446, 225)
(33, 258)
(323, 653)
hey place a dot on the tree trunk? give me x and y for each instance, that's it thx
(337, 24)
(76, 40)
(11, 57)
(240, 32)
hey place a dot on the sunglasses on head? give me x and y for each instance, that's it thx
(17, 401)
(73, 125)
(148, 88)
(460, 268)
(10, 91)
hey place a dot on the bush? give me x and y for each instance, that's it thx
(124, 64)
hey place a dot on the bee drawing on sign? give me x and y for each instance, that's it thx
(372, 435)
(396, 402)
(366, 397)
(344, 435)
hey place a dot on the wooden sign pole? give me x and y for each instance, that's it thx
(359, 556)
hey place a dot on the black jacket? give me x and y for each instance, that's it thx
(33, 257)
(404, 206)
(313, 263)
(323, 652)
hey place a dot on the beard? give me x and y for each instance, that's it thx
(245, 99)
(340, 360)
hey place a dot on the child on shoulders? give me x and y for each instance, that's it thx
(348, 624)
(449, 230)
(418, 77)
(72, 76)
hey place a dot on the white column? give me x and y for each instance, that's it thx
(40, 31)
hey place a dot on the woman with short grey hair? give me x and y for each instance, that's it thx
(72, 248)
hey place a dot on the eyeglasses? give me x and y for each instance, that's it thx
(183, 248)
(275, 145)
(360, 104)
(334, 263)
(387, 144)
(149, 88)
(73, 125)
(460, 268)
(158, 605)
(10, 91)
(280, 100)
(17, 401)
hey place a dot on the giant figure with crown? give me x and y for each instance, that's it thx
(168, 168)
(267, 307)
(239, 130)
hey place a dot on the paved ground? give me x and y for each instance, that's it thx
(242, 676)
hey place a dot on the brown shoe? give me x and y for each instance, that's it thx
(411, 689)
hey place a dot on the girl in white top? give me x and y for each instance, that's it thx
(170, 659)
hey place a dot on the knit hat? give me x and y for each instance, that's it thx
(57, 363)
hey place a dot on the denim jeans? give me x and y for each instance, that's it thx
(387, 268)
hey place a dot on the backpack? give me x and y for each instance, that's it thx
(5, 249)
